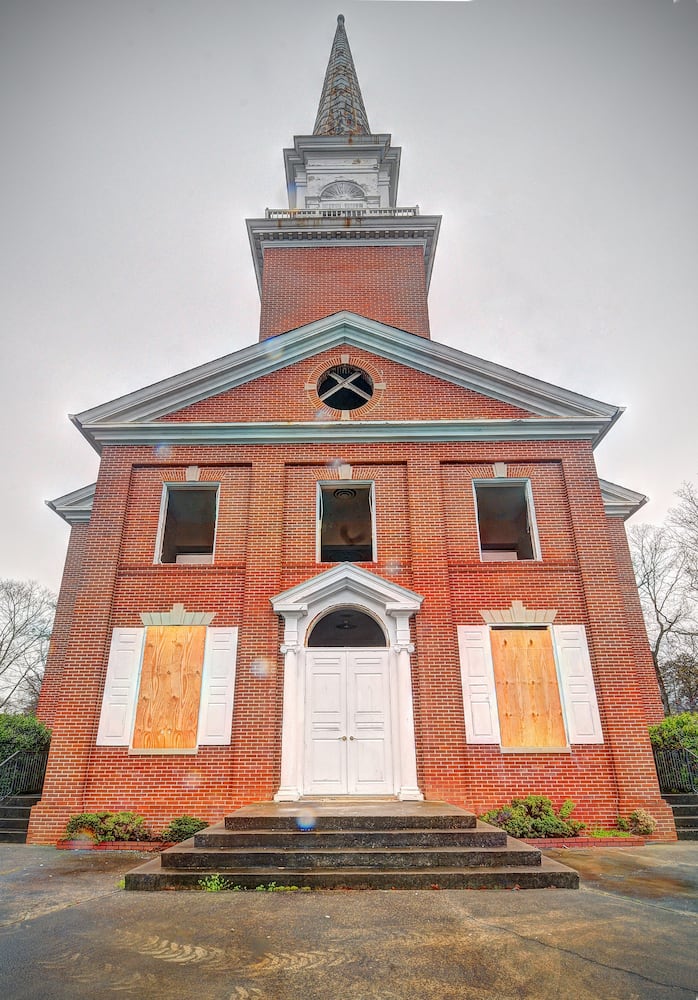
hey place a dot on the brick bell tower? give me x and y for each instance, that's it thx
(343, 242)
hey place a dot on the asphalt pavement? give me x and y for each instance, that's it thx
(68, 930)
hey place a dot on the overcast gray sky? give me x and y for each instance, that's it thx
(557, 138)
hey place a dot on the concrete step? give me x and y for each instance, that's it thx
(302, 819)
(549, 874)
(681, 799)
(14, 823)
(354, 844)
(514, 853)
(220, 838)
(685, 809)
(13, 836)
(26, 801)
(685, 821)
(687, 833)
(14, 812)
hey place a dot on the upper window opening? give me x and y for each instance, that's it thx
(189, 524)
(345, 387)
(347, 627)
(346, 522)
(505, 522)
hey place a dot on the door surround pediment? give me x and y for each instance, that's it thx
(347, 585)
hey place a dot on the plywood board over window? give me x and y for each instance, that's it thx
(528, 696)
(167, 711)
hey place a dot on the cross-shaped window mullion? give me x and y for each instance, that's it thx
(344, 383)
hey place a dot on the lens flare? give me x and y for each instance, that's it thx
(306, 819)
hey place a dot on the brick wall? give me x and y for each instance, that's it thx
(70, 585)
(302, 284)
(426, 540)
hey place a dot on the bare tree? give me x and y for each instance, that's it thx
(26, 619)
(663, 571)
(683, 523)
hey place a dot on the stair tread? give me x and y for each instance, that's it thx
(452, 849)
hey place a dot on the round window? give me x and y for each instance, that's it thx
(345, 387)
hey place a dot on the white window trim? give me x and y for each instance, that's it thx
(349, 484)
(531, 512)
(179, 485)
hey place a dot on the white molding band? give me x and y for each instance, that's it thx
(517, 614)
(575, 429)
(177, 616)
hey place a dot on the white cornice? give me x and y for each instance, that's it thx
(344, 328)
(74, 507)
(619, 501)
(372, 230)
(534, 429)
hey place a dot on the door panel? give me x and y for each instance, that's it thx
(348, 745)
(368, 697)
(326, 752)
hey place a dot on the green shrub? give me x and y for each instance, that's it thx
(182, 827)
(22, 732)
(641, 822)
(675, 732)
(125, 826)
(534, 816)
(106, 826)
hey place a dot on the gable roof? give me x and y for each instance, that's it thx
(559, 412)
(74, 507)
(619, 501)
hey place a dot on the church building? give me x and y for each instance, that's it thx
(347, 560)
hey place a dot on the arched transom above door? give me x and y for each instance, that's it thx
(347, 587)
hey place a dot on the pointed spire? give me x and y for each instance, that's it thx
(341, 110)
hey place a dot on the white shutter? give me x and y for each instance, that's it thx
(218, 687)
(577, 683)
(477, 678)
(120, 687)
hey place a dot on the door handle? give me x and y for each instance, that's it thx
(344, 739)
(351, 738)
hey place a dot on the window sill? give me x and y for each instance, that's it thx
(529, 750)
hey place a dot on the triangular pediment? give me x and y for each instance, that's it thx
(127, 417)
(344, 579)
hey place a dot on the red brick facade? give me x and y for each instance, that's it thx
(427, 541)
(302, 284)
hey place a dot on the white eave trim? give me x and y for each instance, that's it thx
(619, 501)
(575, 429)
(346, 328)
(74, 507)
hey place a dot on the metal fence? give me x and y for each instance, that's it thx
(23, 773)
(677, 770)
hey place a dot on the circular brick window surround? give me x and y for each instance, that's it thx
(345, 388)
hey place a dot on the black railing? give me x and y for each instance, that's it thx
(677, 770)
(22, 773)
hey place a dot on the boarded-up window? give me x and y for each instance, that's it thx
(528, 696)
(167, 711)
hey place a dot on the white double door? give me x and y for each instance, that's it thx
(348, 740)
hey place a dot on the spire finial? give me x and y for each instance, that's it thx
(341, 110)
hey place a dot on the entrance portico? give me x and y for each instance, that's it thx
(348, 720)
